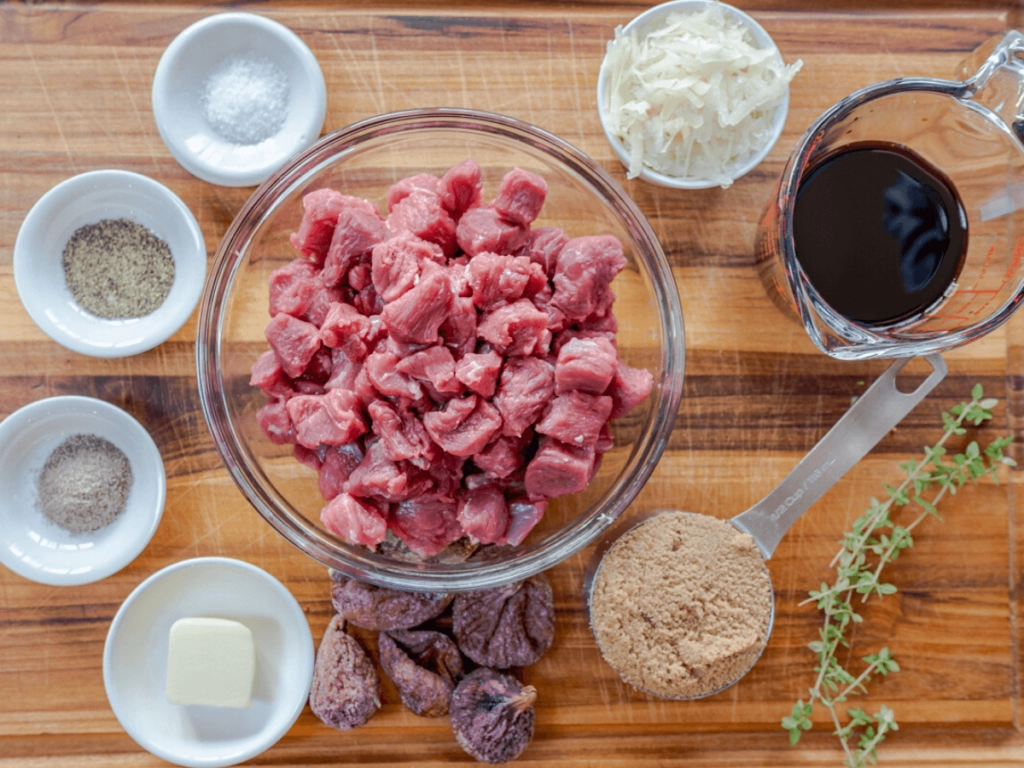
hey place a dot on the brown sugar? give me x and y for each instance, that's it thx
(681, 605)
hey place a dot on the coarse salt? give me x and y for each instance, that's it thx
(245, 99)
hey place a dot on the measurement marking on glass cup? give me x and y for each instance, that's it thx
(811, 479)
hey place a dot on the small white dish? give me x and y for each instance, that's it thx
(135, 662)
(34, 547)
(87, 199)
(178, 87)
(653, 18)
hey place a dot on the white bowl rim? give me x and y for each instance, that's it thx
(16, 421)
(272, 737)
(61, 195)
(661, 179)
(191, 35)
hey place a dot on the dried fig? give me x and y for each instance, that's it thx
(424, 666)
(379, 609)
(492, 715)
(510, 626)
(346, 690)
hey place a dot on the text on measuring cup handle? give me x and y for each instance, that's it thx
(811, 479)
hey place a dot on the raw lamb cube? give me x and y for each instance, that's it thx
(331, 419)
(310, 458)
(504, 456)
(401, 433)
(294, 342)
(521, 196)
(527, 384)
(515, 329)
(354, 521)
(336, 467)
(461, 187)
(435, 366)
(483, 229)
(319, 369)
(558, 469)
(464, 426)
(483, 514)
(416, 316)
(275, 421)
(346, 329)
(585, 268)
(321, 303)
(268, 375)
(545, 245)
(403, 188)
(524, 515)
(421, 213)
(479, 372)
(459, 328)
(382, 369)
(397, 264)
(575, 418)
(629, 388)
(377, 476)
(343, 371)
(320, 215)
(445, 471)
(360, 276)
(495, 279)
(356, 234)
(586, 364)
(292, 287)
(426, 525)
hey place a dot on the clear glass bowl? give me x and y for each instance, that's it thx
(364, 160)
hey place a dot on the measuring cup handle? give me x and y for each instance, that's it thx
(993, 77)
(860, 429)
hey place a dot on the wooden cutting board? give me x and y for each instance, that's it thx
(75, 96)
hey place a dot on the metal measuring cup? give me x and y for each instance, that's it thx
(869, 419)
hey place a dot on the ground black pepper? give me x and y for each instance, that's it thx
(116, 268)
(84, 484)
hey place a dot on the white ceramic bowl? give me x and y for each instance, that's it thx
(37, 549)
(178, 87)
(86, 199)
(652, 19)
(135, 662)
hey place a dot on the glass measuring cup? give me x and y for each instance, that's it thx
(874, 414)
(971, 130)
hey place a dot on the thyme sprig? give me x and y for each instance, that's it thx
(874, 541)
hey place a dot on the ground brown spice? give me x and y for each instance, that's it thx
(116, 268)
(681, 605)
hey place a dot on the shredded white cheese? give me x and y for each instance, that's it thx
(694, 99)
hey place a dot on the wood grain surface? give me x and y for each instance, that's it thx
(75, 96)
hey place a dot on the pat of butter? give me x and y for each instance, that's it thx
(211, 662)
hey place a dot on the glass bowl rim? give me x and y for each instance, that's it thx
(434, 577)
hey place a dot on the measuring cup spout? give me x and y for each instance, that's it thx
(860, 429)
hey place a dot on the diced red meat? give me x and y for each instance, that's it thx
(434, 365)
(294, 342)
(321, 303)
(605, 441)
(495, 279)
(307, 387)
(521, 196)
(398, 263)
(356, 234)
(416, 316)
(421, 213)
(586, 364)
(268, 375)
(426, 525)
(310, 458)
(275, 422)
(320, 215)
(545, 245)
(483, 229)
(464, 426)
(461, 187)
(319, 369)
(346, 329)
(524, 515)
(404, 187)
(368, 302)
(445, 471)
(558, 469)
(354, 521)
(564, 337)
(331, 419)
(515, 329)
(401, 433)
(504, 456)
(607, 326)
(575, 418)
(363, 387)
(377, 477)
(343, 371)
(479, 372)
(585, 268)
(360, 276)
(629, 388)
(483, 514)
(459, 328)
(292, 287)
(527, 385)
(337, 466)
(382, 369)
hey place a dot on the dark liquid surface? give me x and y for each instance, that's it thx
(879, 231)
